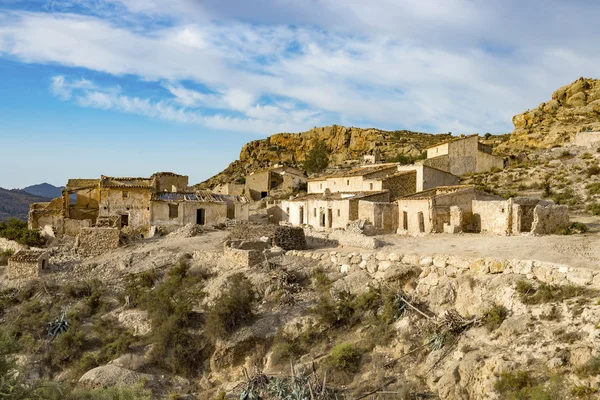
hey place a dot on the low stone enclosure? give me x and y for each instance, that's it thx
(433, 270)
(339, 237)
(27, 264)
(96, 241)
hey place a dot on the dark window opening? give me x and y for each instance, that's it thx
(404, 220)
(348, 182)
(330, 217)
(263, 194)
(173, 211)
(370, 186)
(124, 220)
(301, 215)
(421, 222)
(125, 195)
(339, 212)
(200, 216)
(43, 264)
(322, 219)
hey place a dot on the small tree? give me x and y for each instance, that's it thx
(317, 158)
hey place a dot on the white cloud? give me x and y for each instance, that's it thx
(449, 65)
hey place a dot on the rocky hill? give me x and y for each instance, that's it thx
(573, 108)
(15, 203)
(344, 144)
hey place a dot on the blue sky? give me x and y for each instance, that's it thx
(131, 87)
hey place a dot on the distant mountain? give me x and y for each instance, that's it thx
(44, 190)
(15, 203)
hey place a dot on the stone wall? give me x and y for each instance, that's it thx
(400, 185)
(27, 264)
(242, 258)
(96, 241)
(290, 238)
(340, 238)
(435, 270)
(548, 218)
(383, 216)
(72, 227)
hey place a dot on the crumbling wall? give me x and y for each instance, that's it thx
(340, 238)
(242, 258)
(72, 227)
(492, 216)
(383, 216)
(96, 241)
(290, 238)
(548, 218)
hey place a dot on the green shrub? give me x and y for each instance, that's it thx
(591, 368)
(286, 347)
(545, 293)
(232, 308)
(317, 158)
(5, 255)
(593, 188)
(345, 357)
(494, 316)
(67, 347)
(593, 208)
(567, 196)
(320, 280)
(593, 170)
(18, 231)
(586, 156)
(575, 228)
(522, 385)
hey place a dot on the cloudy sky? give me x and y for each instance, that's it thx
(130, 87)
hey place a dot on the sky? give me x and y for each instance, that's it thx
(132, 87)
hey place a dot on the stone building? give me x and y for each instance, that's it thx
(27, 264)
(273, 181)
(137, 203)
(463, 155)
(399, 180)
(328, 210)
(442, 209)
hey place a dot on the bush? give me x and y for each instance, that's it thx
(317, 158)
(593, 188)
(18, 231)
(67, 347)
(593, 170)
(586, 156)
(494, 316)
(575, 228)
(567, 196)
(545, 293)
(5, 255)
(232, 308)
(522, 385)
(591, 368)
(345, 357)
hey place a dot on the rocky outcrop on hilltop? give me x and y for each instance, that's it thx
(573, 108)
(344, 144)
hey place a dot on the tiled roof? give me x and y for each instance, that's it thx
(200, 196)
(337, 196)
(437, 191)
(362, 171)
(125, 182)
(27, 256)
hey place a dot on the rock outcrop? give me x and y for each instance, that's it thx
(573, 108)
(344, 143)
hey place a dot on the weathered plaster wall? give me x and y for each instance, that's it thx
(410, 208)
(257, 183)
(432, 177)
(492, 216)
(548, 218)
(229, 188)
(486, 162)
(136, 205)
(187, 213)
(383, 216)
(437, 151)
(170, 182)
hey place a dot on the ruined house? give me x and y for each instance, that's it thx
(519, 215)
(328, 210)
(442, 209)
(463, 155)
(273, 182)
(137, 203)
(27, 264)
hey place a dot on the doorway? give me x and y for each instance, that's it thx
(405, 220)
(421, 222)
(301, 216)
(124, 220)
(330, 218)
(200, 216)
(323, 219)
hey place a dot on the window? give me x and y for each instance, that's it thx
(315, 212)
(321, 186)
(339, 212)
(348, 182)
(370, 186)
(125, 195)
(173, 211)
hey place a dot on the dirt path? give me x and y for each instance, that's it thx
(576, 250)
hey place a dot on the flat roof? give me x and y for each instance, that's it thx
(361, 171)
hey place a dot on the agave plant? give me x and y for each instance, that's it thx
(59, 326)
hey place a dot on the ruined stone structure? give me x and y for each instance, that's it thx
(27, 264)
(96, 241)
(431, 210)
(383, 217)
(519, 215)
(327, 210)
(289, 238)
(462, 208)
(273, 181)
(463, 155)
(138, 203)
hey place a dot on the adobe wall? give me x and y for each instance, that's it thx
(548, 218)
(96, 241)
